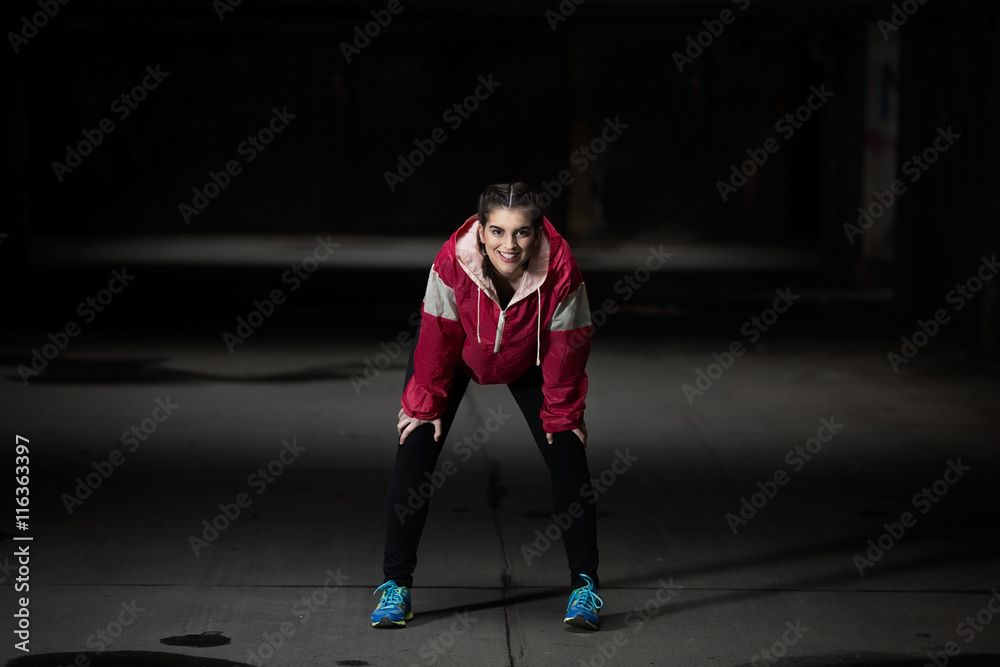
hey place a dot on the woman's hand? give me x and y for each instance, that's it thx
(580, 433)
(407, 424)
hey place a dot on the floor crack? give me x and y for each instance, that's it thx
(495, 494)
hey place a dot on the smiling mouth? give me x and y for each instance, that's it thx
(508, 257)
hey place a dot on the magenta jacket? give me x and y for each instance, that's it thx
(546, 323)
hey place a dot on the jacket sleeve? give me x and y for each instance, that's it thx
(564, 362)
(439, 345)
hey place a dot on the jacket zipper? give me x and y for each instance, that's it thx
(496, 346)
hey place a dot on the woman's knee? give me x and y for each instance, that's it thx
(420, 444)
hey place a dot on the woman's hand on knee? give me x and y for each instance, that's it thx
(407, 424)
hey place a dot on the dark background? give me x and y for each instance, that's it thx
(703, 453)
(656, 182)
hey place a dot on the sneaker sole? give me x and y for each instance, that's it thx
(386, 622)
(579, 621)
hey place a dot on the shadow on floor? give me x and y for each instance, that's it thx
(151, 372)
(885, 660)
(121, 659)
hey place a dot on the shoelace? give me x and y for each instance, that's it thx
(392, 595)
(586, 595)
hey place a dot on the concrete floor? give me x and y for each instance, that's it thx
(289, 581)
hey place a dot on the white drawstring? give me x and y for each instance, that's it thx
(479, 292)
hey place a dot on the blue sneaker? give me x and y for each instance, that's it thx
(583, 605)
(393, 610)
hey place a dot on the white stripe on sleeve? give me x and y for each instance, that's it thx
(573, 312)
(439, 299)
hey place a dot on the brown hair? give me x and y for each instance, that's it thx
(511, 196)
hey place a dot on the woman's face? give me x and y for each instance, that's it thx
(509, 239)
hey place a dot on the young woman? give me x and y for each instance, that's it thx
(505, 304)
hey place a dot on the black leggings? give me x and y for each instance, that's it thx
(417, 457)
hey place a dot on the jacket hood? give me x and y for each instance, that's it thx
(467, 253)
(471, 260)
